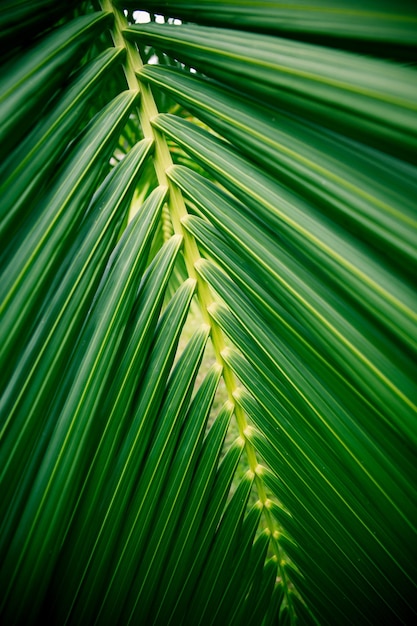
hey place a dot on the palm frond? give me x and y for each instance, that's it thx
(259, 469)
(367, 21)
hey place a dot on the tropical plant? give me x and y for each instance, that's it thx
(254, 164)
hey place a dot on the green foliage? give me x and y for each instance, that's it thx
(259, 468)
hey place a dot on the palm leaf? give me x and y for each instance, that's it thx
(208, 313)
(342, 22)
